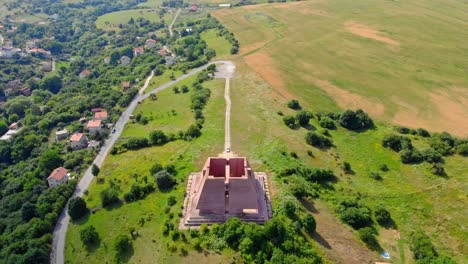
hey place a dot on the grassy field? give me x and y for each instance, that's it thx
(375, 55)
(218, 43)
(150, 246)
(111, 21)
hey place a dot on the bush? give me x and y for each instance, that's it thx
(77, 208)
(294, 104)
(157, 167)
(405, 130)
(421, 246)
(443, 143)
(193, 132)
(396, 143)
(327, 123)
(138, 192)
(89, 236)
(358, 120)
(109, 197)
(438, 169)
(157, 138)
(122, 244)
(423, 132)
(383, 217)
(135, 143)
(384, 167)
(319, 141)
(309, 224)
(171, 200)
(375, 175)
(431, 156)
(303, 117)
(462, 149)
(164, 180)
(410, 156)
(347, 167)
(290, 121)
(367, 235)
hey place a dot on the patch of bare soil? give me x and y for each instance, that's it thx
(337, 240)
(348, 100)
(263, 64)
(451, 113)
(368, 32)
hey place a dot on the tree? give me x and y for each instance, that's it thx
(421, 245)
(164, 180)
(367, 235)
(193, 131)
(327, 122)
(95, 170)
(50, 159)
(290, 121)
(114, 57)
(396, 143)
(303, 117)
(52, 83)
(157, 167)
(319, 141)
(176, 90)
(157, 137)
(77, 208)
(383, 217)
(3, 127)
(54, 47)
(185, 88)
(122, 244)
(358, 120)
(109, 196)
(294, 104)
(28, 211)
(309, 224)
(356, 217)
(89, 236)
(410, 156)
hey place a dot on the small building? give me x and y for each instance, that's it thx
(163, 52)
(93, 144)
(82, 119)
(101, 116)
(170, 61)
(125, 60)
(194, 8)
(85, 73)
(225, 5)
(78, 141)
(138, 51)
(94, 127)
(96, 109)
(150, 43)
(58, 177)
(106, 60)
(61, 134)
(13, 126)
(25, 91)
(126, 86)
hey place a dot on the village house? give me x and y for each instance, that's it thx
(38, 51)
(13, 87)
(194, 8)
(163, 52)
(25, 91)
(101, 116)
(170, 61)
(85, 73)
(126, 86)
(150, 43)
(94, 144)
(96, 109)
(13, 126)
(138, 51)
(61, 134)
(125, 60)
(94, 127)
(58, 177)
(78, 141)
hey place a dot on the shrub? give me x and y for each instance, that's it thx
(438, 169)
(309, 224)
(109, 197)
(89, 236)
(290, 121)
(405, 130)
(164, 180)
(383, 217)
(431, 156)
(367, 235)
(384, 167)
(135, 143)
(443, 143)
(358, 120)
(356, 217)
(303, 117)
(319, 141)
(421, 246)
(157, 137)
(375, 175)
(122, 244)
(157, 167)
(410, 156)
(95, 170)
(77, 208)
(346, 167)
(396, 143)
(294, 104)
(184, 89)
(171, 200)
(462, 149)
(423, 132)
(193, 132)
(327, 123)
(138, 192)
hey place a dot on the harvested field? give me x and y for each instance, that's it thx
(368, 32)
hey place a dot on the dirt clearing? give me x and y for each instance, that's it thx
(263, 65)
(452, 114)
(368, 32)
(348, 100)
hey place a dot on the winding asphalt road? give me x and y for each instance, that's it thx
(57, 255)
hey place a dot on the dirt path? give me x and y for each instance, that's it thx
(171, 33)
(337, 240)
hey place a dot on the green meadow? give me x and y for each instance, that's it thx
(111, 21)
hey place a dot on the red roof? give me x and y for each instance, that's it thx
(85, 72)
(151, 40)
(94, 123)
(194, 7)
(97, 109)
(100, 115)
(163, 52)
(76, 137)
(13, 126)
(139, 50)
(58, 173)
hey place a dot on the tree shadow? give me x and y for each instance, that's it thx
(94, 246)
(83, 220)
(322, 241)
(310, 127)
(114, 206)
(309, 206)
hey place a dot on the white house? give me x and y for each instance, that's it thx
(78, 141)
(125, 60)
(61, 134)
(58, 176)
